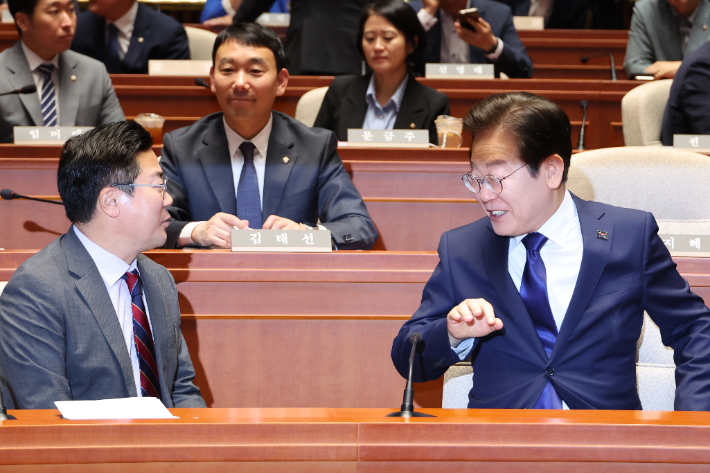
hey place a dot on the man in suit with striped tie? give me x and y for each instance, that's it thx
(89, 317)
(72, 89)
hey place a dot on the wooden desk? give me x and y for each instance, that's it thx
(411, 202)
(362, 440)
(325, 335)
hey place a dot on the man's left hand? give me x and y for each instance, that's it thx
(274, 222)
(482, 38)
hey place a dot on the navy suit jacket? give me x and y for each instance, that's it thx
(513, 61)
(313, 183)
(155, 36)
(594, 357)
(688, 108)
(344, 106)
(566, 14)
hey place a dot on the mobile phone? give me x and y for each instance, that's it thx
(465, 14)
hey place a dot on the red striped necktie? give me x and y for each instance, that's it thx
(143, 338)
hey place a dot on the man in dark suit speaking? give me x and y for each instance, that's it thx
(547, 293)
(89, 317)
(250, 167)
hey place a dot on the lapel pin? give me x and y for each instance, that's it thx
(602, 235)
(285, 159)
(73, 78)
(705, 27)
(412, 126)
(140, 40)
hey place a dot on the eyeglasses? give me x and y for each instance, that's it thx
(163, 186)
(494, 184)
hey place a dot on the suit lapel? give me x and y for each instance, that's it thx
(139, 39)
(356, 104)
(594, 260)
(69, 91)
(217, 165)
(91, 287)
(700, 32)
(158, 320)
(414, 107)
(277, 172)
(20, 76)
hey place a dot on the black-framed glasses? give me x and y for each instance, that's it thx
(494, 183)
(163, 186)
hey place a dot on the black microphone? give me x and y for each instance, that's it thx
(200, 81)
(7, 194)
(408, 402)
(3, 412)
(28, 89)
(580, 144)
(586, 59)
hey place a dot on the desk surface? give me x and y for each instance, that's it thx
(365, 440)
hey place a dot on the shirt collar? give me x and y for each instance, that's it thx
(260, 141)
(396, 98)
(110, 266)
(557, 227)
(35, 61)
(127, 21)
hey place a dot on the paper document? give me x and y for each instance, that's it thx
(127, 408)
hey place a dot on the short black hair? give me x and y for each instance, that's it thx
(541, 127)
(27, 7)
(254, 35)
(402, 17)
(96, 159)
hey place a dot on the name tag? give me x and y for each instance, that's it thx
(292, 241)
(46, 135)
(274, 19)
(388, 138)
(699, 143)
(459, 71)
(6, 17)
(179, 67)
(687, 245)
(529, 23)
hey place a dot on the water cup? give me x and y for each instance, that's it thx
(153, 124)
(448, 130)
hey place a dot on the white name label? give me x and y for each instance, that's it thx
(294, 241)
(46, 135)
(459, 71)
(687, 245)
(179, 67)
(388, 138)
(700, 143)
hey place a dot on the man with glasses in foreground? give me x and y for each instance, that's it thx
(89, 317)
(546, 294)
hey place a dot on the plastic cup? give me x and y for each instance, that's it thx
(448, 131)
(153, 123)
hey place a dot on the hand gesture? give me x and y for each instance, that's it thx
(217, 231)
(482, 38)
(473, 318)
(663, 69)
(274, 222)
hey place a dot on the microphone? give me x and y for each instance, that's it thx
(580, 144)
(28, 89)
(586, 59)
(201, 82)
(7, 194)
(407, 409)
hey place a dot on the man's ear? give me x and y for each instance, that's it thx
(282, 81)
(212, 85)
(108, 202)
(553, 168)
(22, 21)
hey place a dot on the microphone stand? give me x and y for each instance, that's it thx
(580, 144)
(407, 409)
(3, 412)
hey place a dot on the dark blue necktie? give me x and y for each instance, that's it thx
(113, 58)
(248, 199)
(533, 290)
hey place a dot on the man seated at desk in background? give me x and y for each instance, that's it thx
(662, 33)
(547, 293)
(251, 167)
(492, 39)
(125, 34)
(89, 317)
(72, 89)
(558, 14)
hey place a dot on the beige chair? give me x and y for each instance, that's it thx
(309, 104)
(200, 42)
(642, 113)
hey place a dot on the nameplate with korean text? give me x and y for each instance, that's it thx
(459, 71)
(46, 135)
(6, 16)
(274, 19)
(388, 138)
(687, 245)
(179, 67)
(291, 241)
(697, 143)
(529, 23)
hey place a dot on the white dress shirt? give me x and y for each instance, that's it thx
(112, 268)
(35, 61)
(541, 8)
(125, 26)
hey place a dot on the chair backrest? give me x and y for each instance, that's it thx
(644, 178)
(309, 105)
(200, 42)
(642, 112)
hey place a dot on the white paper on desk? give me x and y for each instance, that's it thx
(126, 408)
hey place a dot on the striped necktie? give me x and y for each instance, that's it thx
(48, 98)
(143, 338)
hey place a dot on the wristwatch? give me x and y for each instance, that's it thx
(493, 49)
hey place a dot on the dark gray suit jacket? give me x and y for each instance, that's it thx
(88, 100)
(60, 338)
(311, 185)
